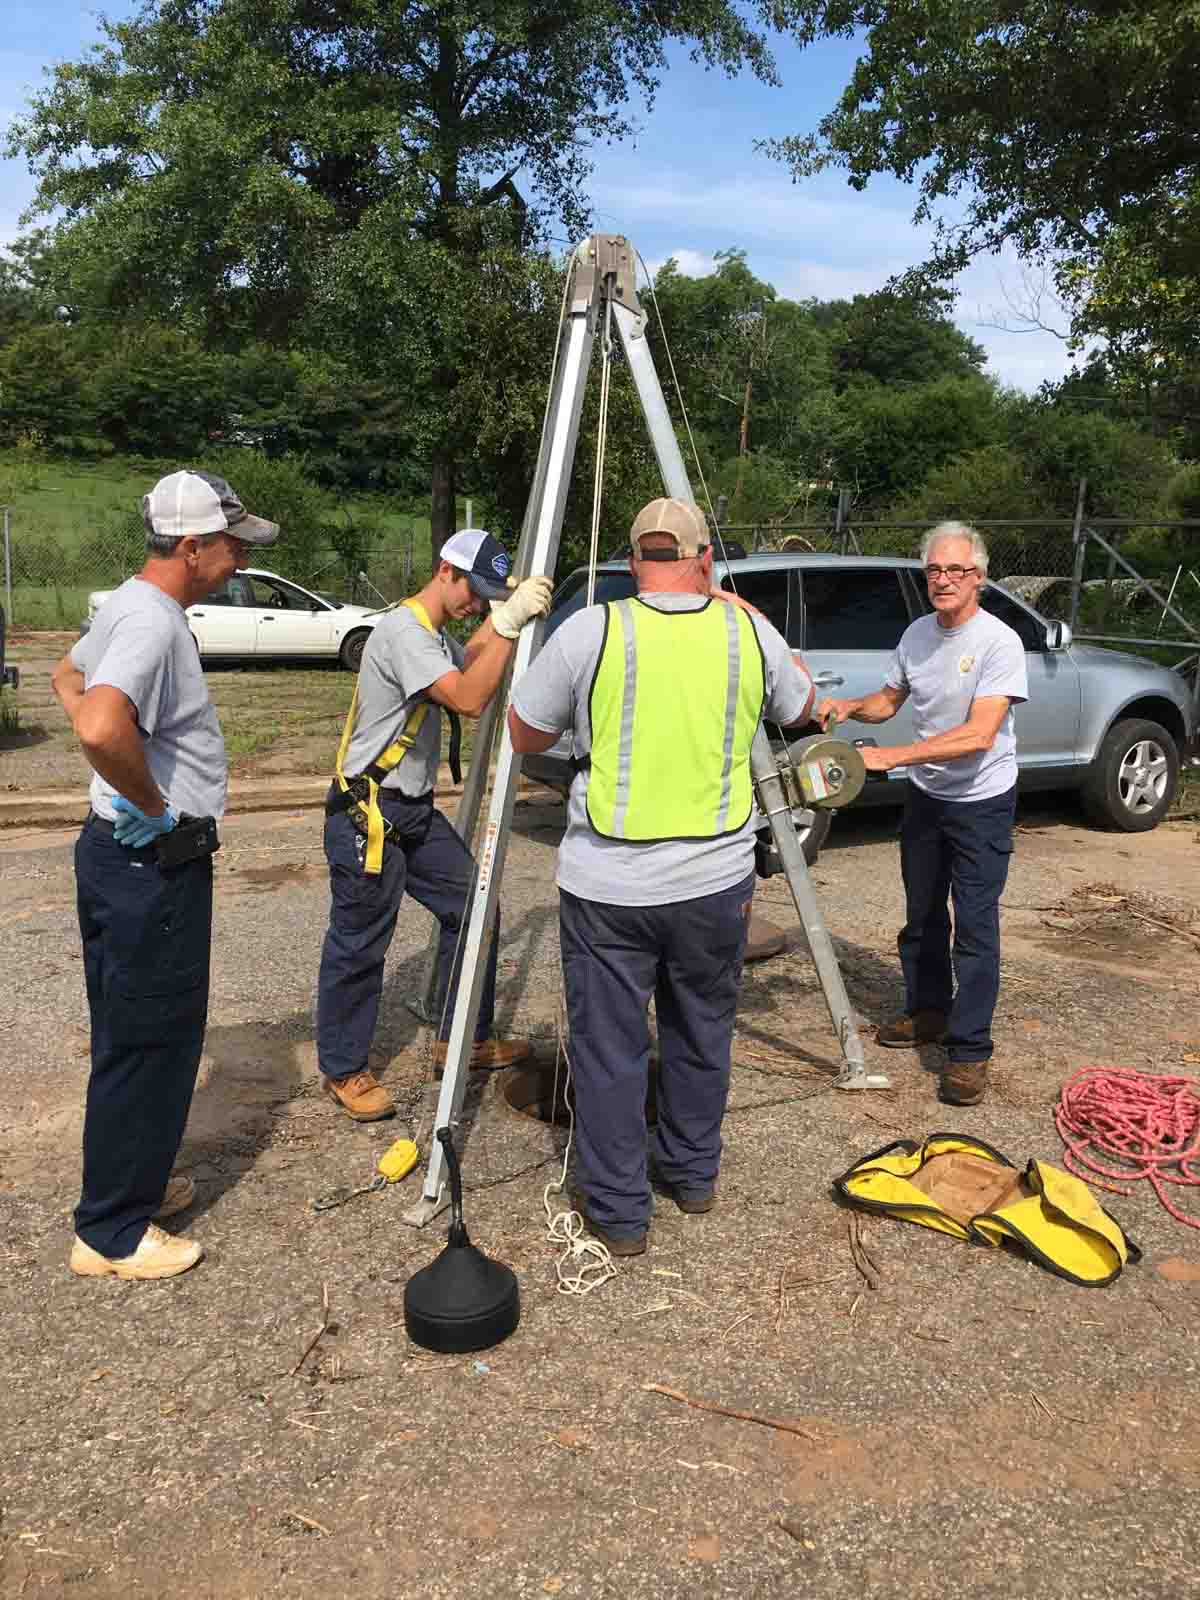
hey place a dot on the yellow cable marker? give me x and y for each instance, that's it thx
(398, 1160)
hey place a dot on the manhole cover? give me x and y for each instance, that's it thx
(530, 1091)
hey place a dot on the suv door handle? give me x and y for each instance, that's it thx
(272, 619)
(826, 680)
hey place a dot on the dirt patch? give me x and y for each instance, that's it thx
(977, 1422)
(1100, 922)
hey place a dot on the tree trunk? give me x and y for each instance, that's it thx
(743, 444)
(443, 510)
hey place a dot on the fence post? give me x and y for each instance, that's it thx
(7, 565)
(1080, 541)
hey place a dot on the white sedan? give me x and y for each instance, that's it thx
(262, 616)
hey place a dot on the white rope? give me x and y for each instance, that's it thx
(595, 1263)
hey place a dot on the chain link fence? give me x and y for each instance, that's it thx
(1070, 569)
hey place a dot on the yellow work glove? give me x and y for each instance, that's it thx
(531, 598)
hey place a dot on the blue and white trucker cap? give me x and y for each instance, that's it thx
(483, 559)
(190, 502)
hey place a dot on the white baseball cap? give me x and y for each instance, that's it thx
(189, 502)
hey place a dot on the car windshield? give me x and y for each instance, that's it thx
(573, 595)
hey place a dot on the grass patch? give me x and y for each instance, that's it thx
(67, 501)
(10, 715)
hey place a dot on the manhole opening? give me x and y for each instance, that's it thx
(530, 1092)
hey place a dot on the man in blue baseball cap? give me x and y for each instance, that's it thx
(383, 834)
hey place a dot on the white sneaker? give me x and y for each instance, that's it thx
(159, 1255)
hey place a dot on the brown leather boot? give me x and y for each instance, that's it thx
(923, 1027)
(963, 1083)
(489, 1055)
(178, 1195)
(360, 1096)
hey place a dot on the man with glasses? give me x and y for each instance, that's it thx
(139, 704)
(964, 670)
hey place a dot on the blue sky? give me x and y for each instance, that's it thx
(690, 183)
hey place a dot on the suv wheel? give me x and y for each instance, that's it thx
(1133, 779)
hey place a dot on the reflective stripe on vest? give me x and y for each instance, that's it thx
(675, 701)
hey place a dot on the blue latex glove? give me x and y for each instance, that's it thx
(134, 828)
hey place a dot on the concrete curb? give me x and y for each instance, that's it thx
(59, 808)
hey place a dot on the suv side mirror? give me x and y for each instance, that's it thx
(1058, 635)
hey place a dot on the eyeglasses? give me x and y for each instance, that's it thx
(955, 574)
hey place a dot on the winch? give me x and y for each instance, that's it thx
(824, 771)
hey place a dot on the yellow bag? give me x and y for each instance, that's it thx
(967, 1189)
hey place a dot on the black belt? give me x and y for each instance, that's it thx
(94, 820)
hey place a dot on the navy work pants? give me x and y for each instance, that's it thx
(957, 851)
(688, 956)
(147, 935)
(426, 859)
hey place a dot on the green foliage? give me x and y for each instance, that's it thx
(348, 172)
(155, 391)
(1183, 495)
(1061, 127)
(894, 438)
(283, 491)
(897, 337)
(1126, 468)
(994, 482)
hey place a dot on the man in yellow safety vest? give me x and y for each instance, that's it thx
(663, 694)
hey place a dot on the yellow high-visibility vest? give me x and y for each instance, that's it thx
(675, 701)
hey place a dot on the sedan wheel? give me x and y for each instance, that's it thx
(351, 653)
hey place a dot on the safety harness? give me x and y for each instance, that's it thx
(360, 795)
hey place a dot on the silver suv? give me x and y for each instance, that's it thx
(1115, 727)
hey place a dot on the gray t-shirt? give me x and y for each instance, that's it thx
(401, 660)
(945, 670)
(140, 643)
(553, 696)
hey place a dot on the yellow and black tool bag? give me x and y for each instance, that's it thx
(967, 1189)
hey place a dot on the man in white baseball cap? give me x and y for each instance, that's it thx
(384, 837)
(139, 703)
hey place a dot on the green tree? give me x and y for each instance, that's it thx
(1061, 126)
(1127, 469)
(895, 337)
(993, 482)
(892, 439)
(267, 139)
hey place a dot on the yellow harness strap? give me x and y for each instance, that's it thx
(391, 758)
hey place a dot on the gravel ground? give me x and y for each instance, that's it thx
(972, 1426)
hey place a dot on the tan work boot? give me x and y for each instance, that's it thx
(923, 1027)
(963, 1083)
(178, 1195)
(159, 1255)
(489, 1055)
(360, 1096)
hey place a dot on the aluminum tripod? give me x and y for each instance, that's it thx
(602, 276)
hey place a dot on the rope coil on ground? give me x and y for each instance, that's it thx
(595, 1263)
(1148, 1122)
